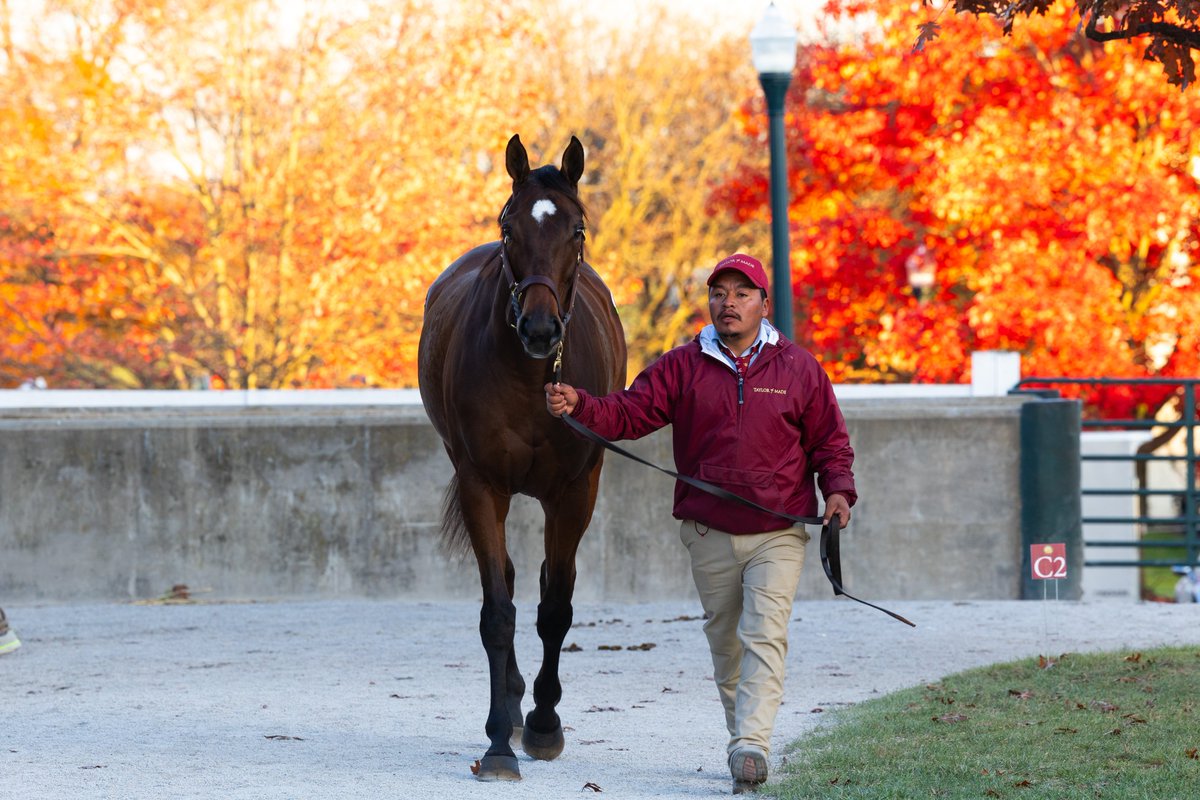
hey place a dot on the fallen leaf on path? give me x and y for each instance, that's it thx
(593, 787)
(283, 737)
(179, 594)
(950, 718)
(475, 767)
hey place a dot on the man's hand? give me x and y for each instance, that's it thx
(836, 504)
(561, 398)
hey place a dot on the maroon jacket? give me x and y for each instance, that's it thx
(763, 440)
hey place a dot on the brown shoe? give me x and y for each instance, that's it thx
(749, 769)
(8, 639)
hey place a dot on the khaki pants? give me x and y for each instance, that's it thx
(746, 585)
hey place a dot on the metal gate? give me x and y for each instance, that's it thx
(1178, 530)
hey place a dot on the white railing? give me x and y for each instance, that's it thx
(993, 374)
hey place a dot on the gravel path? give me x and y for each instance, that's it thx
(386, 699)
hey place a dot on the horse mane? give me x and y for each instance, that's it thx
(550, 177)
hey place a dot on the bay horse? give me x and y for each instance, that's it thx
(499, 324)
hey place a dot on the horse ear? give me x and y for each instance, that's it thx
(516, 160)
(572, 162)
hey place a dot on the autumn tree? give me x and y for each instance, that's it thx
(1169, 28)
(1051, 183)
(54, 313)
(661, 136)
(258, 193)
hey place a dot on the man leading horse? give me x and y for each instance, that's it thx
(754, 414)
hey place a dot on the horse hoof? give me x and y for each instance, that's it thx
(498, 768)
(542, 746)
(514, 741)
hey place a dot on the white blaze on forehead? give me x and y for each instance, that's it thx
(542, 209)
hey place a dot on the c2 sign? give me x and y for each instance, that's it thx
(1048, 561)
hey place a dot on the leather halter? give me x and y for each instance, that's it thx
(516, 289)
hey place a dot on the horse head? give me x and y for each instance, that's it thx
(542, 231)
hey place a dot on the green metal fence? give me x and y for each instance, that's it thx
(1182, 529)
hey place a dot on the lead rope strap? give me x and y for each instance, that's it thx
(558, 355)
(831, 560)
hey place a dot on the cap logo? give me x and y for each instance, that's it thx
(738, 260)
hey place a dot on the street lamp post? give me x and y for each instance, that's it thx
(921, 268)
(773, 48)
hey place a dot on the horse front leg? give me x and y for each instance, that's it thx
(567, 518)
(515, 686)
(483, 513)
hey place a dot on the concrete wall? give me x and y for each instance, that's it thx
(259, 502)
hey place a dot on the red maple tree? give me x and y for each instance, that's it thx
(1169, 28)
(1050, 184)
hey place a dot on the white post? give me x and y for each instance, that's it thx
(994, 372)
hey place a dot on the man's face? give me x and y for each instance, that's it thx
(737, 307)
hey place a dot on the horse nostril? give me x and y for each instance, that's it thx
(539, 334)
(550, 331)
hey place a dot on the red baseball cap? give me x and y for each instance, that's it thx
(749, 266)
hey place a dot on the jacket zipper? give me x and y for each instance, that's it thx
(741, 383)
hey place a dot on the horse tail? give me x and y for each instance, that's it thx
(455, 535)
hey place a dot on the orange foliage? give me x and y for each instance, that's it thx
(1053, 181)
(210, 192)
(252, 193)
(244, 197)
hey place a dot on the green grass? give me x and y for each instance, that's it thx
(1113, 725)
(1158, 583)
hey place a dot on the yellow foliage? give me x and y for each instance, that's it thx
(257, 194)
